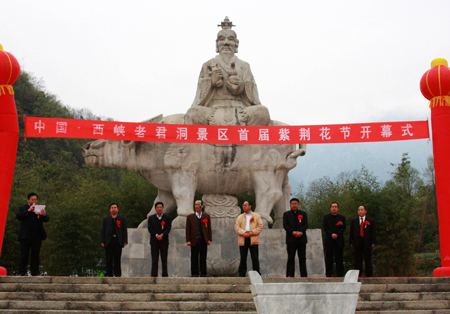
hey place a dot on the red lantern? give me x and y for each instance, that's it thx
(435, 84)
(9, 134)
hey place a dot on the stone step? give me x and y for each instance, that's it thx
(119, 312)
(403, 305)
(404, 280)
(215, 280)
(124, 288)
(394, 288)
(129, 306)
(126, 280)
(404, 296)
(126, 297)
(406, 312)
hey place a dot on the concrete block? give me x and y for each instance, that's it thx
(136, 250)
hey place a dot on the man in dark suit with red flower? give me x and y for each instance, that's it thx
(198, 237)
(334, 227)
(113, 238)
(31, 235)
(362, 240)
(295, 222)
(159, 226)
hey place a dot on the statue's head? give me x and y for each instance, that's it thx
(227, 41)
(111, 154)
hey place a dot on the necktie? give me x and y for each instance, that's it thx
(361, 230)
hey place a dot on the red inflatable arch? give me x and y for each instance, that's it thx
(9, 135)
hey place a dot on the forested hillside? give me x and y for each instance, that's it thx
(78, 197)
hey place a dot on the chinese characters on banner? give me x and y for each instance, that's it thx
(211, 134)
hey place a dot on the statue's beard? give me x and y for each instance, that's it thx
(226, 51)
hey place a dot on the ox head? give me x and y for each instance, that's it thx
(111, 154)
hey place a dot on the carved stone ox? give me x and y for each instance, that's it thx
(179, 170)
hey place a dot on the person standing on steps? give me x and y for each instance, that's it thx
(362, 240)
(295, 222)
(198, 237)
(159, 226)
(334, 227)
(248, 227)
(31, 234)
(114, 237)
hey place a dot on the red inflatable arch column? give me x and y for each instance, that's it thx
(9, 135)
(435, 86)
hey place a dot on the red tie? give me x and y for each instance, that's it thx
(361, 230)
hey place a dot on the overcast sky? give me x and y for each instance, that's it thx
(315, 62)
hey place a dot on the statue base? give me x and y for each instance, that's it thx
(223, 210)
(223, 254)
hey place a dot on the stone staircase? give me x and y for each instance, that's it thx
(125, 295)
(400, 295)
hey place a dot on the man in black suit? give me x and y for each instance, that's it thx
(362, 240)
(31, 235)
(198, 237)
(113, 238)
(295, 222)
(159, 226)
(334, 227)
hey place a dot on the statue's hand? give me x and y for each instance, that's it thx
(217, 77)
(235, 85)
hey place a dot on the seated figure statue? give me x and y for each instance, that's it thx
(226, 92)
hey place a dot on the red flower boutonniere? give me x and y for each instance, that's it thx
(205, 221)
(366, 223)
(252, 219)
(300, 218)
(162, 224)
(339, 223)
(118, 223)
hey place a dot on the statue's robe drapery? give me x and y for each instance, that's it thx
(243, 106)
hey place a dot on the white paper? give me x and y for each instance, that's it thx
(38, 209)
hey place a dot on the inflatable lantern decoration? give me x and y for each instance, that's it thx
(435, 86)
(9, 134)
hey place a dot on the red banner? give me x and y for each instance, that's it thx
(213, 134)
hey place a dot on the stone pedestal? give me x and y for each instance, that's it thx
(223, 254)
(223, 210)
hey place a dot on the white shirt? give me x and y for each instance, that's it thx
(363, 219)
(199, 216)
(159, 219)
(247, 224)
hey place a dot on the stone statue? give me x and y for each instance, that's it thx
(227, 92)
(226, 95)
(179, 170)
